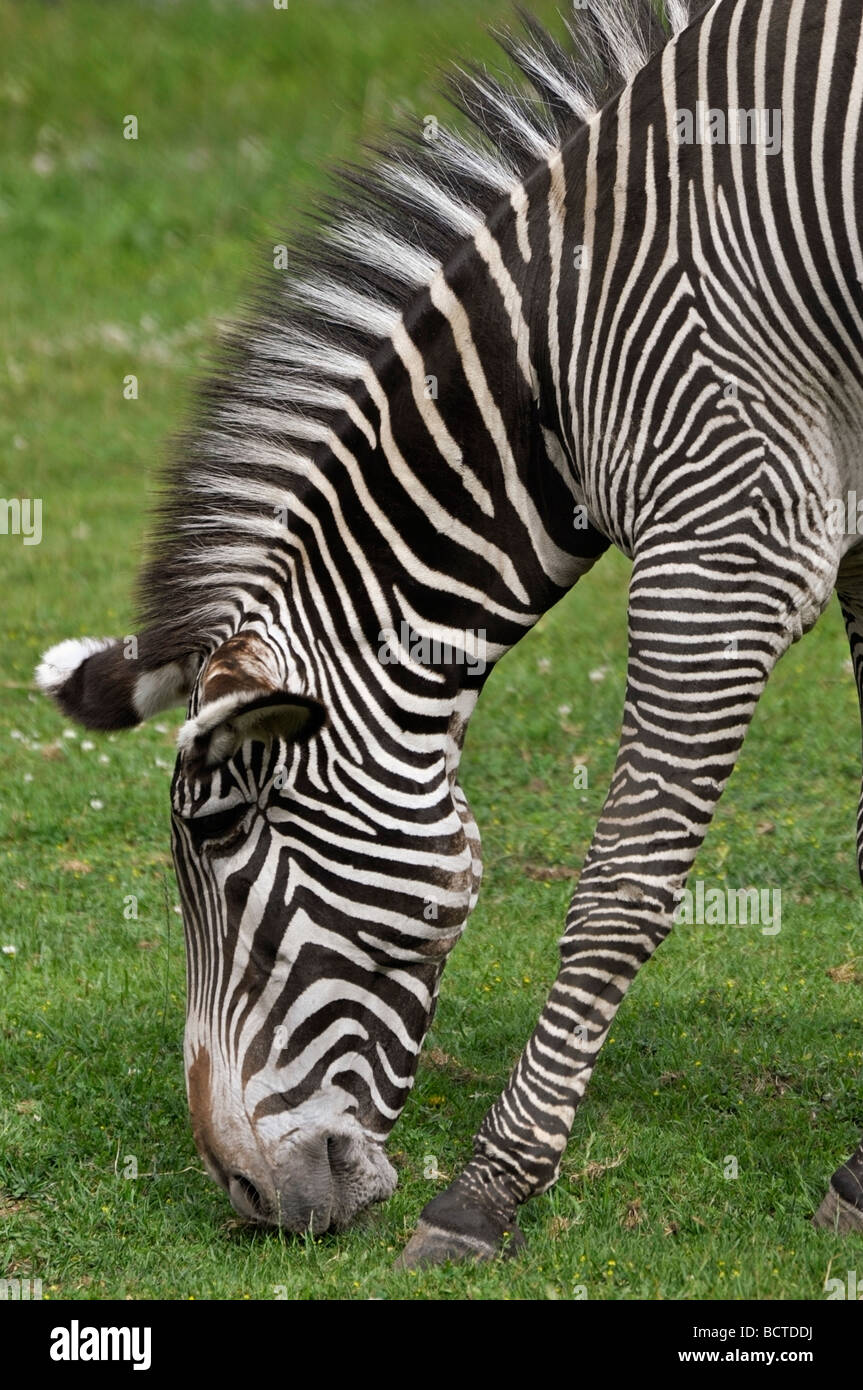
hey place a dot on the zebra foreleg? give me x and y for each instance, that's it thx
(698, 661)
(842, 1208)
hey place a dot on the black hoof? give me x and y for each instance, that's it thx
(842, 1208)
(453, 1228)
(836, 1214)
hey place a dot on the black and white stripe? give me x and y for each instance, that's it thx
(569, 309)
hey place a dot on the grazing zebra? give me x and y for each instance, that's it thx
(627, 309)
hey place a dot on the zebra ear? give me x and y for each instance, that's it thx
(243, 697)
(99, 681)
(222, 727)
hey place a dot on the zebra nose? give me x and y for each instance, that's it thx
(298, 1197)
(246, 1198)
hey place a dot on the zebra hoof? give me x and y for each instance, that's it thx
(452, 1229)
(430, 1245)
(842, 1208)
(837, 1214)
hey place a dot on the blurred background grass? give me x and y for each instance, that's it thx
(122, 257)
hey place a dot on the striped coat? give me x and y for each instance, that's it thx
(628, 310)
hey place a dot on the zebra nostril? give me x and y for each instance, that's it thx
(246, 1199)
(338, 1153)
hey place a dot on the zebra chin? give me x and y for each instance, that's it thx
(313, 1168)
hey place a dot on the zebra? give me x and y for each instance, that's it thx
(594, 320)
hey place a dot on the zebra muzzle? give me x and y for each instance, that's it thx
(300, 1198)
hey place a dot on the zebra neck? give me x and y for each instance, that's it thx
(433, 516)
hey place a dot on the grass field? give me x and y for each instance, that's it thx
(120, 257)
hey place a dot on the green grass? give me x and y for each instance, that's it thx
(121, 257)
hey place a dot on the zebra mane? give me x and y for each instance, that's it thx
(283, 374)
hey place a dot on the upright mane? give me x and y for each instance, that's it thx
(283, 375)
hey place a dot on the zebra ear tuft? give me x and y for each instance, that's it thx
(90, 681)
(98, 681)
(221, 727)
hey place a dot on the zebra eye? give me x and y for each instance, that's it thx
(218, 828)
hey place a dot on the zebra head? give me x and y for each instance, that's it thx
(323, 877)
